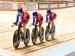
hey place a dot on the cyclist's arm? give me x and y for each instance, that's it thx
(48, 18)
(17, 18)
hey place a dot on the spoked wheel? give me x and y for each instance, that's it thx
(27, 37)
(34, 36)
(52, 31)
(41, 35)
(47, 32)
(16, 39)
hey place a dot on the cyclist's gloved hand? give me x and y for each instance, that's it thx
(31, 23)
(46, 21)
(15, 23)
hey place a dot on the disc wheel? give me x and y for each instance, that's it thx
(27, 37)
(16, 39)
(34, 36)
(41, 35)
(47, 32)
(52, 31)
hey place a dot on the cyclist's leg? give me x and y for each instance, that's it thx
(52, 22)
(24, 25)
(53, 30)
(40, 27)
(20, 25)
(24, 28)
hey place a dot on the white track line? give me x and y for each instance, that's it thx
(7, 53)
